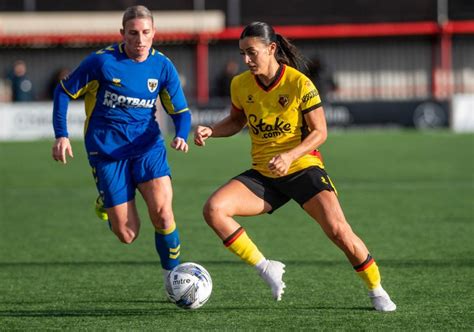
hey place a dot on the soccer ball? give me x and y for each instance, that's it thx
(189, 285)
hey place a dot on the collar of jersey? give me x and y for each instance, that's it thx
(276, 80)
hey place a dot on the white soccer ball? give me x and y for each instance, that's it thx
(189, 285)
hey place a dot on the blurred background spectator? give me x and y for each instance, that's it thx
(21, 85)
(322, 77)
(231, 69)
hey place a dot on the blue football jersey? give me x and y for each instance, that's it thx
(120, 100)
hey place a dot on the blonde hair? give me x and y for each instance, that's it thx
(136, 12)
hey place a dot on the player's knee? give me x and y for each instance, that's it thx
(208, 211)
(163, 218)
(339, 234)
(126, 236)
(214, 209)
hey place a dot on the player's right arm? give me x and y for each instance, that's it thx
(230, 125)
(72, 87)
(61, 145)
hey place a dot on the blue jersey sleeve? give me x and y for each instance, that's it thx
(182, 124)
(80, 80)
(60, 105)
(174, 102)
(73, 86)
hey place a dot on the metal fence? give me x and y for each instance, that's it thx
(364, 69)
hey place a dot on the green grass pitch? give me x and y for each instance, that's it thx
(409, 195)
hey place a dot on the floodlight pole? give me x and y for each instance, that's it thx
(199, 5)
(233, 13)
(442, 75)
(29, 5)
(202, 70)
(442, 12)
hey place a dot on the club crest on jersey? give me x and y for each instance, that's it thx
(283, 100)
(152, 84)
(116, 81)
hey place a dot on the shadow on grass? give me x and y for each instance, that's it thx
(163, 311)
(86, 312)
(399, 263)
(28, 303)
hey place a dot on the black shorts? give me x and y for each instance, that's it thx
(300, 186)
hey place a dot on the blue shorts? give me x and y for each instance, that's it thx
(116, 180)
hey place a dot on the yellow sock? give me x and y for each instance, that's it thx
(241, 245)
(369, 273)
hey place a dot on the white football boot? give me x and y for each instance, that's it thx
(381, 301)
(272, 273)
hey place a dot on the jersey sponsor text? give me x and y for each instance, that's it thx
(310, 95)
(113, 100)
(278, 128)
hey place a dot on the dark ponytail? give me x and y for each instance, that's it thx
(286, 52)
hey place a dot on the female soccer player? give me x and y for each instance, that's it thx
(286, 123)
(121, 85)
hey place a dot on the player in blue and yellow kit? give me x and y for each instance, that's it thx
(283, 112)
(121, 85)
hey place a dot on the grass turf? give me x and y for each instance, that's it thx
(408, 194)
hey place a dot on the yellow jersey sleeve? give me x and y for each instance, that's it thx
(234, 94)
(309, 95)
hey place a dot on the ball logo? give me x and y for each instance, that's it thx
(152, 84)
(180, 281)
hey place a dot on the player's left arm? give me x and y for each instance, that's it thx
(175, 104)
(312, 111)
(316, 122)
(182, 124)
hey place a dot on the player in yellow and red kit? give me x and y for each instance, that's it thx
(282, 110)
